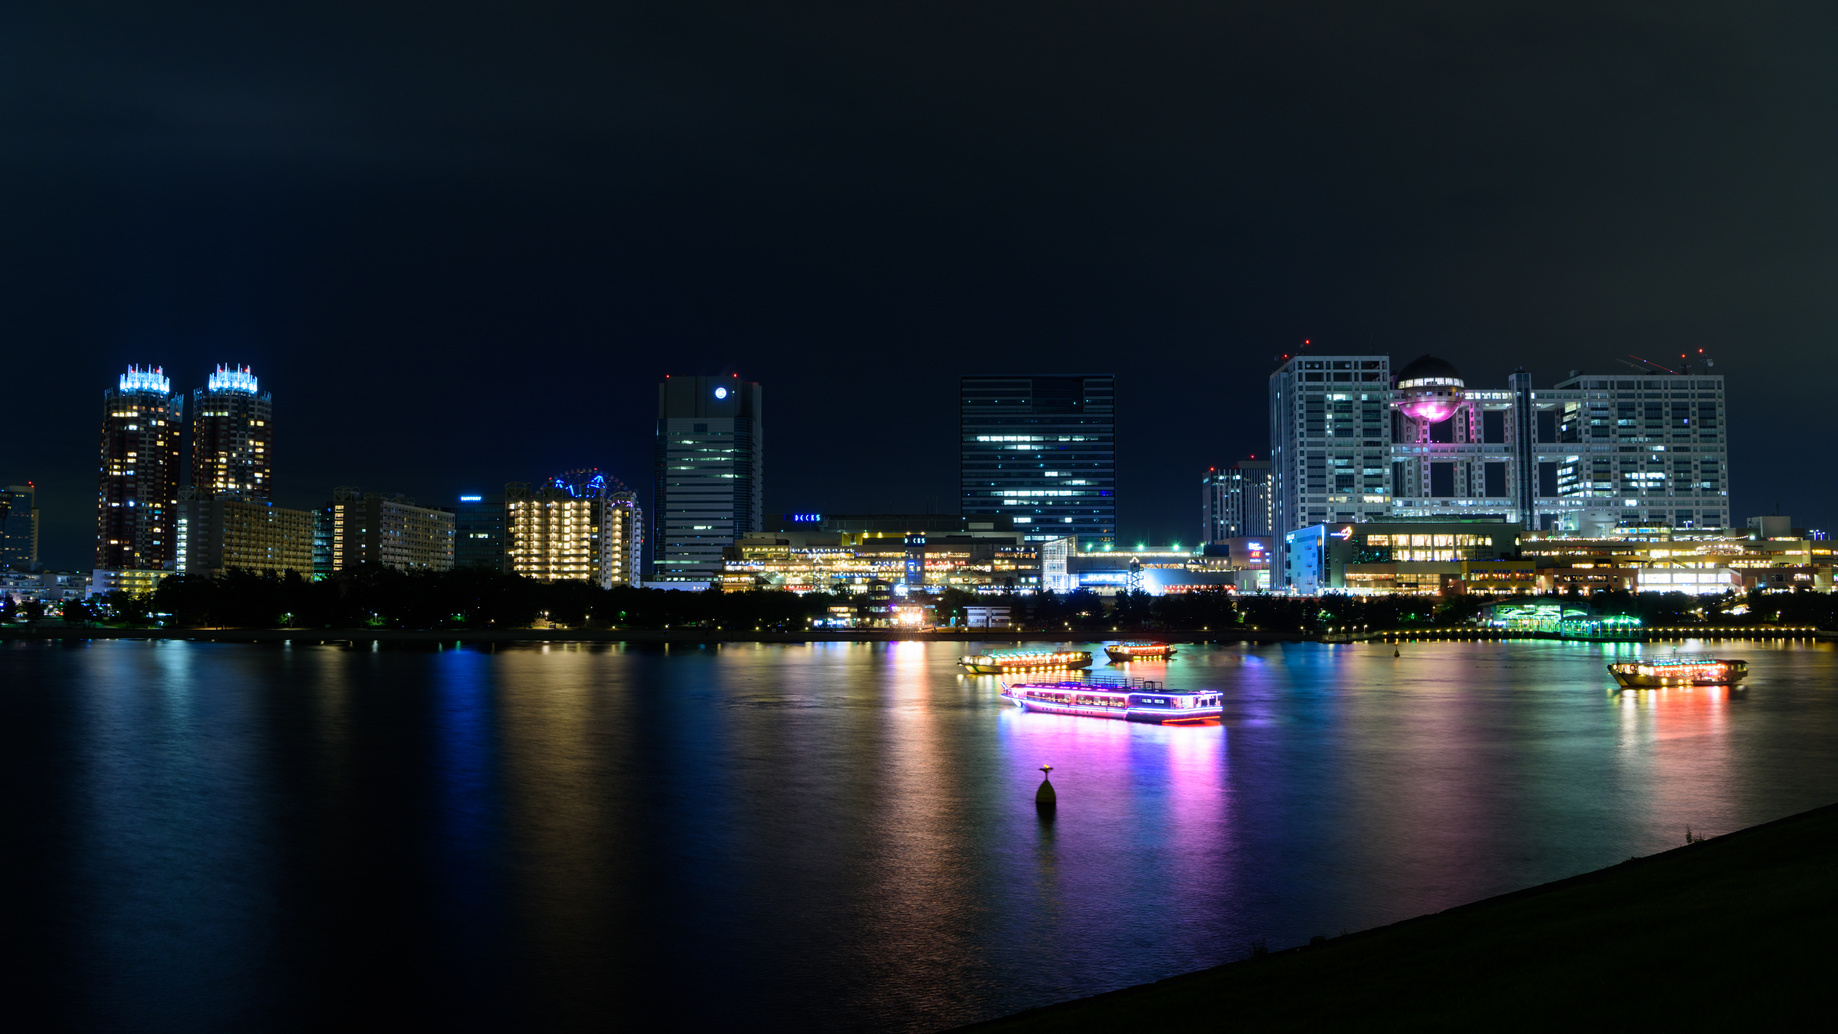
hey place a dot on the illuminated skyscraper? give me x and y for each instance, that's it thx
(578, 525)
(232, 437)
(1042, 450)
(709, 482)
(138, 479)
(19, 527)
(1235, 502)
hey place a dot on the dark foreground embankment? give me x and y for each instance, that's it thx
(1738, 930)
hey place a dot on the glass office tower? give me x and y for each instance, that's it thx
(1042, 450)
(709, 482)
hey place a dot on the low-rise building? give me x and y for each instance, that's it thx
(845, 553)
(1420, 556)
(131, 582)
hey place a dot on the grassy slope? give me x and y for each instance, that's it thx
(1742, 928)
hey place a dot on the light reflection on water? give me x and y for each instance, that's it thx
(826, 836)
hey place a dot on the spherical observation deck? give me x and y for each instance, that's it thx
(1429, 389)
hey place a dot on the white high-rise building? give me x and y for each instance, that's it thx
(1330, 443)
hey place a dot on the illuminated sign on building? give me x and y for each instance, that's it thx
(472, 499)
(804, 518)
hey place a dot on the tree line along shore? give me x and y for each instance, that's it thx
(471, 599)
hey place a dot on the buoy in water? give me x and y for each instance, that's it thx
(1395, 652)
(1045, 798)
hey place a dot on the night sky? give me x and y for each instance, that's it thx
(461, 243)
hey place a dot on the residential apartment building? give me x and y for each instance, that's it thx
(577, 526)
(138, 474)
(386, 531)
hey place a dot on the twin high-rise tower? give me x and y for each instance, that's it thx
(138, 485)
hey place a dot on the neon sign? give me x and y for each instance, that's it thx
(1344, 533)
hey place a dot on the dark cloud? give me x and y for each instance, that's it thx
(461, 242)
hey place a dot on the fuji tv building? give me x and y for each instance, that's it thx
(1595, 456)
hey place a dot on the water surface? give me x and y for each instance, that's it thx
(813, 837)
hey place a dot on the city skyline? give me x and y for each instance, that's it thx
(1179, 212)
(245, 382)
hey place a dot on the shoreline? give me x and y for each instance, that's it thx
(560, 635)
(1729, 927)
(877, 635)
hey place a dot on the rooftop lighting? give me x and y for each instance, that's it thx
(150, 379)
(232, 378)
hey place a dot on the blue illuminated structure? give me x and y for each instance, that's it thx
(150, 379)
(232, 378)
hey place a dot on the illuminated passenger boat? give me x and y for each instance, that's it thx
(1120, 653)
(1679, 671)
(1025, 660)
(1133, 700)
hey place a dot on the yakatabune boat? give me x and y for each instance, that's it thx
(1120, 653)
(1025, 660)
(1679, 671)
(1133, 700)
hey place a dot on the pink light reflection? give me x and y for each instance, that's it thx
(1430, 410)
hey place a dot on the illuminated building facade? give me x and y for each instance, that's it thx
(387, 531)
(1235, 502)
(580, 526)
(1593, 454)
(133, 583)
(1423, 556)
(1041, 451)
(220, 533)
(478, 527)
(232, 436)
(852, 553)
(138, 478)
(19, 527)
(1160, 570)
(1596, 455)
(708, 487)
